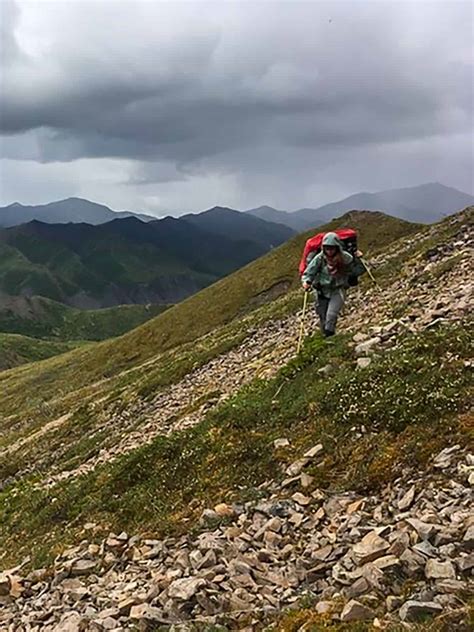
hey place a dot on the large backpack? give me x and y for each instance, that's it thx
(313, 246)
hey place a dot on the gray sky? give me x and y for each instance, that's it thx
(170, 106)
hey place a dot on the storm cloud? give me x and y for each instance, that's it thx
(170, 107)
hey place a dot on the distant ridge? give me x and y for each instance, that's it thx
(127, 261)
(72, 209)
(425, 203)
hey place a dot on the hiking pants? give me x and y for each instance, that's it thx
(328, 309)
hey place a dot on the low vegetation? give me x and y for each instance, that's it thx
(40, 317)
(372, 422)
(16, 350)
(208, 311)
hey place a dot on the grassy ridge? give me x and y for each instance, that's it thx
(408, 407)
(16, 350)
(255, 284)
(43, 318)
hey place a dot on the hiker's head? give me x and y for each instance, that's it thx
(331, 245)
(330, 251)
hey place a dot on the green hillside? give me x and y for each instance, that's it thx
(129, 261)
(43, 318)
(16, 350)
(250, 287)
(379, 417)
(230, 452)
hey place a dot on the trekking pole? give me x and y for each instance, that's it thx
(364, 263)
(300, 339)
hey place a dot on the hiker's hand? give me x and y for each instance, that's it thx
(359, 253)
(307, 286)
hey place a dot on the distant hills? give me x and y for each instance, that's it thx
(425, 203)
(230, 223)
(73, 209)
(127, 261)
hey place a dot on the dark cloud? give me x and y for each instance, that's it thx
(244, 100)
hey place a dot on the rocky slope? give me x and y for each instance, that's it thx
(426, 301)
(400, 553)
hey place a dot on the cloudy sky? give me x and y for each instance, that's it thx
(173, 106)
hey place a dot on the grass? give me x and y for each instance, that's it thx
(16, 350)
(309, 620)
(40, 317)
(214, 307)
(231, 451)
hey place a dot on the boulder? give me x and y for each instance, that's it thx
(369, 548)
(185, 588)
(417, 610)
(355, 611)
(407, 499)
(439, 570)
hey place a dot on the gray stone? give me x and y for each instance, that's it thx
(466, 563)
(355, 611)
(417, 610)
(439, 570)
(407, 499)
(424, 529)
(71, 622)
(185, 588)
(370, 548)
(145, 612)
(413, 563)
(359, 587)
(468, 539)
(363, 363)
(83, 567)
(367, 346)
(301, 499)
(296, 468)
(314, 451)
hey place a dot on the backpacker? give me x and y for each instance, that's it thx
(313, 247)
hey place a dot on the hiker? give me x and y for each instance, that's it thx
(330, 273)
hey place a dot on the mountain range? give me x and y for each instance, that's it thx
(425, 203)
(129, 261)
(73, 209)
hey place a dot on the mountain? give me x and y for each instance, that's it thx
(425, 203)
(127, 260)
(270, 214)
(230, 223)
(273, 481)
(258, 283)
(70, 210)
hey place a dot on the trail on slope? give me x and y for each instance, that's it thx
(448, 296)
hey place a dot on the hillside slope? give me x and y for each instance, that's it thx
(256, 284)
(342, 472)
(16, 350)
(126, 261)
(42, 318)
